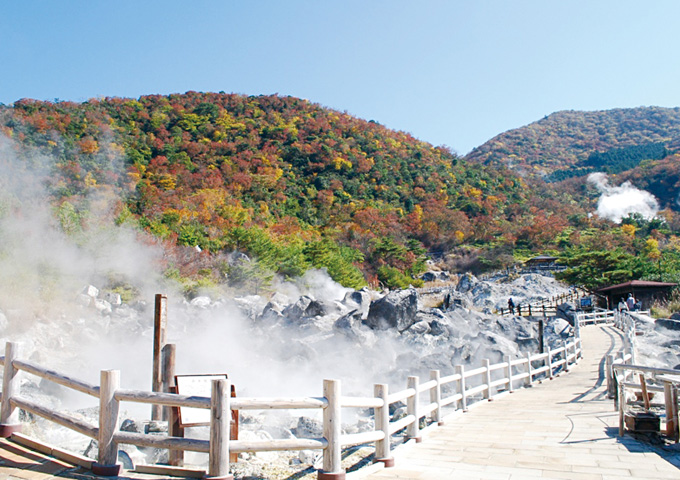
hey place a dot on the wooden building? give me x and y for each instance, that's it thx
(645, 291)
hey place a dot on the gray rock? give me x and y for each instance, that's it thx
(358, 299)
(420, 328)
(395, 310)
(113, 298)
(296, 311)
(308, 428)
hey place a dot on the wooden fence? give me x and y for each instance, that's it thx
(545, 308)
(424, 400)
(621, 368)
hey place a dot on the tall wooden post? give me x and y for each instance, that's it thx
(108, 424)
(566, 357)
(220, 420)
(9, 415)
(549, 362)
(332, 421)
(541, 328)
(160, 321)
(382, 423)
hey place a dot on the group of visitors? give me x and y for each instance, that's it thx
(629, 303)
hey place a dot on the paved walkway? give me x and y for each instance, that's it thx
(562, 428)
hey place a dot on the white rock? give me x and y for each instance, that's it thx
(91, 291)
(201, 302)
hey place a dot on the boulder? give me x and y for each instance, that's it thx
(397, 309)
(359, 300)
(296, 311)
(113, 298)
(201, 302)
(420, 328)
(91, 291)
(429, 276)
(308, 428)
(669, 323)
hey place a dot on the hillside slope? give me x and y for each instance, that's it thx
(282, 179)
(573, 139)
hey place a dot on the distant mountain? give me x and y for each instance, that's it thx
(574, 143)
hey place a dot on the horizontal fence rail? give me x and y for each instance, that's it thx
(424, 402)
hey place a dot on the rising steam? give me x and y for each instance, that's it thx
(615, 203)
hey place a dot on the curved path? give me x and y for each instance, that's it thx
(564, 428)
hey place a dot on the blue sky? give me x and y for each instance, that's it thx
(455, 73)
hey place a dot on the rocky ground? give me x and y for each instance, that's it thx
(285, 345)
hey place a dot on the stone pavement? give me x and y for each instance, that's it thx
(565, 428)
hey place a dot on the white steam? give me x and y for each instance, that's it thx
(615, 203)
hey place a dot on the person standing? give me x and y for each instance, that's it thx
(630, 302)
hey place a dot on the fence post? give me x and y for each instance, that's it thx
(549, 361)
(529, 371)
(412, 404)
(9, 416)
(460, 370)
(609, 361)
(382, 423)
(671, 411)
(220, 423)
(566, 356)
(622, 407)
(487, 378)
(508, 373)
(332, 421)
(436, 396)
(168, 355)
(108, 424)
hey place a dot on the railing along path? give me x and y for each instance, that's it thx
(425, 401)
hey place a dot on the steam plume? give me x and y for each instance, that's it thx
(615, 203)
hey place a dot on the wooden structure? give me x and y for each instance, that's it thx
(546, 307)
(621, 372)
(645, 291)
(424, 400)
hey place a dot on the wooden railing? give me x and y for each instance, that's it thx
(621, 369)
(545, 308)
(651, 380)
(463, 387)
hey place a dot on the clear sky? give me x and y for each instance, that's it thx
(451, 72)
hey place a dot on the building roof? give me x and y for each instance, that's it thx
(541, 258)
(639, 284)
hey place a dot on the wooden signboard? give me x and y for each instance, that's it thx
(199, 386)
(195, 386)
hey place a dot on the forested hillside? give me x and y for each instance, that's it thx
(294, 185)
(574, 143)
